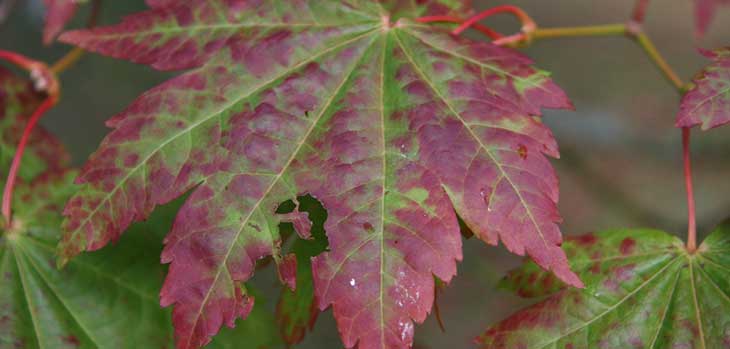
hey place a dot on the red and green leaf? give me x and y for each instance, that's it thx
(707, 103)
(58, 13)
(705, 12)
(394, 126)
(643, 290)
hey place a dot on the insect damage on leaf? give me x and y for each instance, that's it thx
(391, 124)
(708, 102)
(643, 290)
(705, 12)
(58, 13)
(296, 311)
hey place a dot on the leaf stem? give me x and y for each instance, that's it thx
(15, 166)
(76, 53)
(45, 81)
(452, 19)
(692, 221)
(643, 40)
(528, 24)
(594, 30)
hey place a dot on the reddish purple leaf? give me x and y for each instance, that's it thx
(707, 103)
(58, 13)
(704, 13)
(392, 125)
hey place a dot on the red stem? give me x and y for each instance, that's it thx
(451, 19)
(692, 225)
(18, 59)
(46, 80)
(15, 166)
(527, 22)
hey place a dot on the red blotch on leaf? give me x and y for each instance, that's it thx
(627, 246)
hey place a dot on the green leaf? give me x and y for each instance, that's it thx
(643, 290)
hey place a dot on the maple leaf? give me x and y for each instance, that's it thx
(643, 290)
(707, 103)
(58, 14)
(391, 124)
(705, 12)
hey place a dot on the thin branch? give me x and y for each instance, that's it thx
(595, 30)
(643, 40)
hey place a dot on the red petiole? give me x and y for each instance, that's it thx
(692, 220)
(46, 81)
(451, 19)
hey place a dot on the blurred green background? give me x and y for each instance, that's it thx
(621, 164)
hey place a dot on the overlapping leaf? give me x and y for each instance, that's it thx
(297, 312)
(107, 299)
(104, 300)
(708, 102)
(392, 125)
(58, 13)
(643, 290)
(705, 12)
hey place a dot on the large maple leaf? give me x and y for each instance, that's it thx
(394, 126)
(643, 290)
(707, 103)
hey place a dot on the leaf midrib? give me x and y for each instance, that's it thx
(295, 152)
(487, 150)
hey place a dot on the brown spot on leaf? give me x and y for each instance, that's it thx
(367, 226)
(522, 151)
(71, 340)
